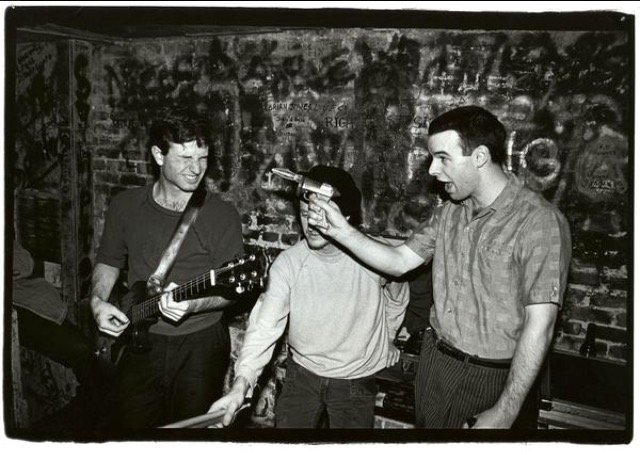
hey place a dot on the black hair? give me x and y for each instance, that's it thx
(349, 199)
(177, 127)
(476, 127)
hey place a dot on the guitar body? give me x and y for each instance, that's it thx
(141, 307)
(136, 336)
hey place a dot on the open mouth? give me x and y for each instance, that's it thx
(191, 179)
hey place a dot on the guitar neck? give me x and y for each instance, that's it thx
(228, 275)
(151, 306)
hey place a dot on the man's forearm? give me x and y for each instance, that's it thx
(383, 257)
(241, 385)
(209, 303)
(102, 281)
(528, 358)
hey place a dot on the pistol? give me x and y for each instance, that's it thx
(306, 186)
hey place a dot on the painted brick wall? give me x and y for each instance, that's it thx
(36, 158)
(362, 100)
(597, 296)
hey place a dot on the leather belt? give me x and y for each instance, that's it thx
(453, 352)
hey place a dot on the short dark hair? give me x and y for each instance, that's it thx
(476, 127)
(178, 128)
(350, 198)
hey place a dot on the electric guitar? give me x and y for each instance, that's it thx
(143, 309)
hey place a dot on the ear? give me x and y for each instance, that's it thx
(157, 154)
(481, 156)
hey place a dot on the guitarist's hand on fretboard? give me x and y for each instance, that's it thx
(170, 308)
(110, 320)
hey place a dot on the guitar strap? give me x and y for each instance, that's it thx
(156, 282)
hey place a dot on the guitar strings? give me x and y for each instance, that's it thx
(150, 307)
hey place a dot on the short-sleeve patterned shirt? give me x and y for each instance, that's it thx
(487, 268)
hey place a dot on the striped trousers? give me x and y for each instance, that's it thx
(449, 391)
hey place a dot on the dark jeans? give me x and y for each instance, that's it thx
(449, 391)
(178, 378)
(67, 345)
(64, 344)
(305, 397)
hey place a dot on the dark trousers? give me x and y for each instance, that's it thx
(63, 343)
(449, 391)
(306, 397)
(178, 378)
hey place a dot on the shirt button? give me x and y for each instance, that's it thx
(456, 282)
(449, 310)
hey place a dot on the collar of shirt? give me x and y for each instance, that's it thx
(501, 204)
(331, 254)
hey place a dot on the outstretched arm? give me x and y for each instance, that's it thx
(267, 322)
(392, 260)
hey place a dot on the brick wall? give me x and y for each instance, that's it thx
(362, 99)
(298, 98)
(597, 296)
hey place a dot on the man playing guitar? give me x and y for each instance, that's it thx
(183, 369)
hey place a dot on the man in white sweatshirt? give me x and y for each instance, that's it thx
(342, 319)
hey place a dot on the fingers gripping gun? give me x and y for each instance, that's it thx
(306, 186)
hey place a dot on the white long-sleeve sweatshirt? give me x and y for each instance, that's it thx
(341, 315)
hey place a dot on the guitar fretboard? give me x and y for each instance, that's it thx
(151, 306)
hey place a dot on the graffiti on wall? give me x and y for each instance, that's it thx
(362, 100)
(37, 153)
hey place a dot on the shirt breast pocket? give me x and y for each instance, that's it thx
(496, 260)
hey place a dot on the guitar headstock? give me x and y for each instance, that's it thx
(244, 273)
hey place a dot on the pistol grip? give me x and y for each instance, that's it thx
(323, 223)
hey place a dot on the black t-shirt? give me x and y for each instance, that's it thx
(137, 231)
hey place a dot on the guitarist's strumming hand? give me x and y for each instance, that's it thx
(110, 320)
(171, 309)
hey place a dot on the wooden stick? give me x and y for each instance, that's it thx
(204, 420)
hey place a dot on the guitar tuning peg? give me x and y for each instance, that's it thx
(240, 289)
(243, 277)
(232, 279)
(252, 257)
(254, 273)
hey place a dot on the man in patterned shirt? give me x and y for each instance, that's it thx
(500, 261)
